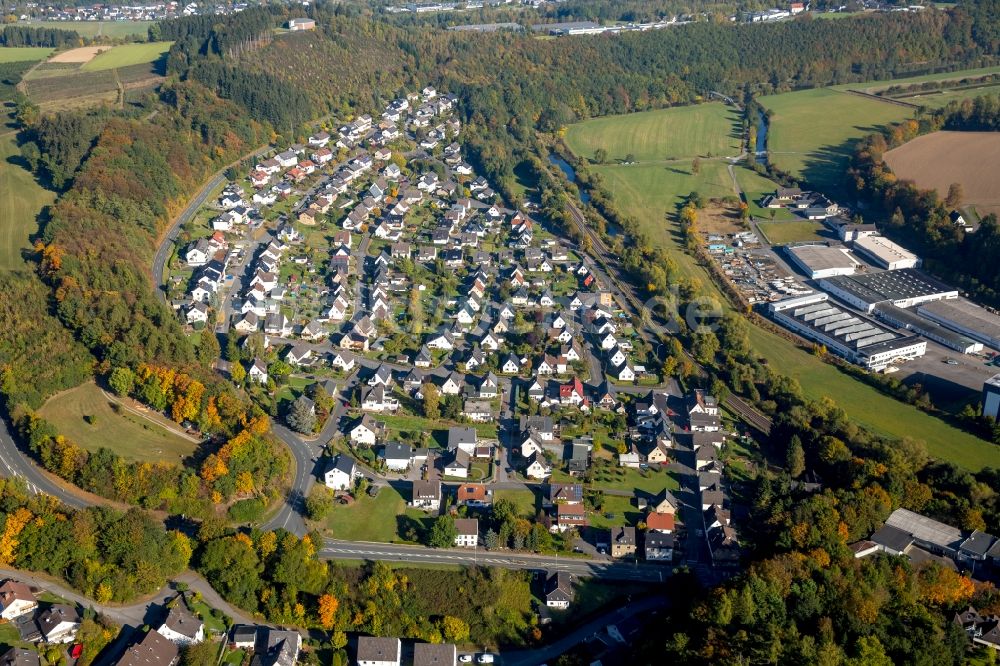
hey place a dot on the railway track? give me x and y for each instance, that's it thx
(629, 301)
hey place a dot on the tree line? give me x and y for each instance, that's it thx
(19, 35)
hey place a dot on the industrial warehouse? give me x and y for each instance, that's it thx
(965, 317)
(822, 261)
(903, 288)
(849, 335)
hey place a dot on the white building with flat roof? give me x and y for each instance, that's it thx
(822, 261)
(884, 253)
(991, 397)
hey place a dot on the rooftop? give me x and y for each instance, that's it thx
(878, 286)
(973, 319)
(822, 257)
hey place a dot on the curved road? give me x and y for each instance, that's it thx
(15, 463)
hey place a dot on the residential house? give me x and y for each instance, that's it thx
(16, 599)
(434, 654)
(559, 591)
(571, 393)
(396, 456)
(462, 438)
(152, 650)
(475, 495)
(365, 431)
(467, 532)
(16, 656)
(569, 516)
(703, 412)
(458, 466)
(478, 411)
(59, 623)
(623, 542)
(664, 502)
(257, 372)
(426, 495)
(181, 626)
(378, 651)
(658, 547)
(537, 467)
(341, 473)
(377, 399)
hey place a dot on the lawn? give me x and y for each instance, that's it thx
(871, 409)
(96, 28)
(126, 55)
(127, 433)
(792, 231)
(651, 193)
(524, 500)
(409, 423)
(812, 132)
(21, 200)
(24, 53)
(666, 134)
(373, 518)
(614, 512)
(754, 187)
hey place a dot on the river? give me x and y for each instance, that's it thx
(567, 169)
(761, 148)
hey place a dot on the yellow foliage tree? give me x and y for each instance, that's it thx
(328, 605)
(244, 482)
(8, 542)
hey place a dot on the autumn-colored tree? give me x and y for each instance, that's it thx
(328, 605)
(15, 524)
(454, 630)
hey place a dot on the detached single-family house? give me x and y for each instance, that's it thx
(426, 495)
(16, 599)
(396, 456)
(378, 651)
(537, 467)
(365, 431)
(340, 473)
(181, 626)
(467, 532)
(559, 591)
(623, 541)
(59, 623)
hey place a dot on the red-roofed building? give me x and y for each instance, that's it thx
(569, 516)
(571, 393)
(660, 522)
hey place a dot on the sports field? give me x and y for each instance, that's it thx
(935, 161)
(127, 54)
(21, 199)
(138, 436)
(96, 28)
(23, 53)
(812, 132)
(667, 134)
(871, 409)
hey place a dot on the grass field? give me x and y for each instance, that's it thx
(870, 408)
(127, 54)
(936, 100)
(524, 500)
(792, 231)
(21, 200)
(127, 433)
(96, 28)
(812, 132)
(24, 53)
(876, 86)
(372, 518)
(666, 134)
(754, 187)
(649, 192)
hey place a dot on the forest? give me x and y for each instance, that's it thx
(19, 35)
(920, 218)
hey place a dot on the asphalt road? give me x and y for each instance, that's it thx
(334, 549)
(167, 242)
(17, 464)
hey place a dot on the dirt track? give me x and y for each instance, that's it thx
(937, 160)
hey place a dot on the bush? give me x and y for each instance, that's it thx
(247, 511)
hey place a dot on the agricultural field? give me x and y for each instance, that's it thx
(663, 135)
(871, 409)
(935, 161)
(874, 87)
(111, 29)
(793, 231)
(23, 53)
(126, 55)
(812, 132)
(72, 88)
(21, 200)
(93, 420)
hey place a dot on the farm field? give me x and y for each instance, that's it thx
(71, 88)
(812, 132)
(869, 408)
(96, 28)
(24, 53)
(127, 433)
(935, 161)
(872, 87)
(663, 135)
(792, 231)
(640, 192)
(936, 100)
(21, 199)
(126, 55)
